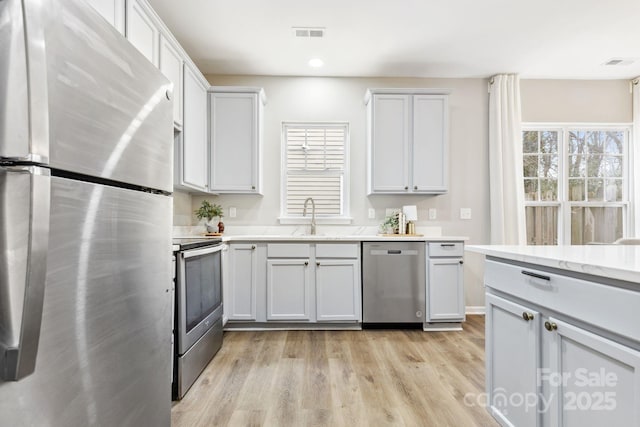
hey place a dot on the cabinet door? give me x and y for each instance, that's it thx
(288, 290)
(445, 299)
(234, 142)
(194, 138)
(241, 297)
(142, 31)
(513, 359)
(338, 290)
(600, 383)
(430, 143)
(112, 11)
(390, 119)
(171, 67)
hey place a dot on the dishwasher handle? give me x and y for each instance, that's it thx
(411, 252)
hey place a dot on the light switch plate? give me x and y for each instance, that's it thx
(372, 213)
(433, 213)
(465, 213)
(232, 212)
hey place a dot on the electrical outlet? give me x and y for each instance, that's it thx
(372, 213)
(465, 213)
(232, 212)
(433, 213)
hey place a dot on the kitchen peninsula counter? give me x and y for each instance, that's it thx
(618, 262)
(562, 312)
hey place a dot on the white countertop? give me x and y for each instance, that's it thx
(621, 262)
(328, 238)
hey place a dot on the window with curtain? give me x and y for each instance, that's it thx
(315, 164)
(576, 183)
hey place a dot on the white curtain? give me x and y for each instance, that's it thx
(506, 185)
(634, 156)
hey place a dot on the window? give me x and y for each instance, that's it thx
(575, 183)
(315, 164)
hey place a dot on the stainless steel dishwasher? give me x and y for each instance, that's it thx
(393, 282)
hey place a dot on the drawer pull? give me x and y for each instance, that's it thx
(527, 316)
(306, 263)
(550, 326)
(536, 275)
(447, 245)
(253, 247)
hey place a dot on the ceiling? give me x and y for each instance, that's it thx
(410, 38)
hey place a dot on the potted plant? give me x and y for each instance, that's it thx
(390, 224)
(209, 211)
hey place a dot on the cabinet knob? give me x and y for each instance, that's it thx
(550, 326)
(527, 316)
(318, 263)
(253, 187)
(406, 187)
(306, 263)
(415, 187)
(253, 247)
(461, 262)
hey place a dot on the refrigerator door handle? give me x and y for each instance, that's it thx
(25, 193)
(24, 113)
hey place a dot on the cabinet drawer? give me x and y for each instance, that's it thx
(288, 250)
(446, 249)
(605, 306)
(337, 250)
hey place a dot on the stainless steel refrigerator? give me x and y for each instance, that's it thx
(86, 136)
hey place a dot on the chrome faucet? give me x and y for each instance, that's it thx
(313, 213)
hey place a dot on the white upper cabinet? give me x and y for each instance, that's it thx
(235, 128)
(407, 141)
(192, 170)
(171, 66)
(142, 30)
(112, 11)
(430, 157)
(389, 143)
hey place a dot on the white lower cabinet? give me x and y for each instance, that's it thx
(338, 290)
(445, 282)
(545, 369)
(240, 298)
(288, 289)
(512, 344)
(592, 381)
(293, 282)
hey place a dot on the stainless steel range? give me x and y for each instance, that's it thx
(198, 319)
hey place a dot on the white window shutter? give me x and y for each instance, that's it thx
(315, 167)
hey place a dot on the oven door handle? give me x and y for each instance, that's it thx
(204, 251)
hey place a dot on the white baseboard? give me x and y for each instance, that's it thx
(474, 309)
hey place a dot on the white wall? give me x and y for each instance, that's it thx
(341, 99)
(574, 101)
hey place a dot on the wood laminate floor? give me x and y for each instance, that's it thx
(342, 378)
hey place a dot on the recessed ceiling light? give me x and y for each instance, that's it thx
(316, 63)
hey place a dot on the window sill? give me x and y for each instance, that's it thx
(344, 220)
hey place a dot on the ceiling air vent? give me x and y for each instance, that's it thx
(620, 61)
(308, 32)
